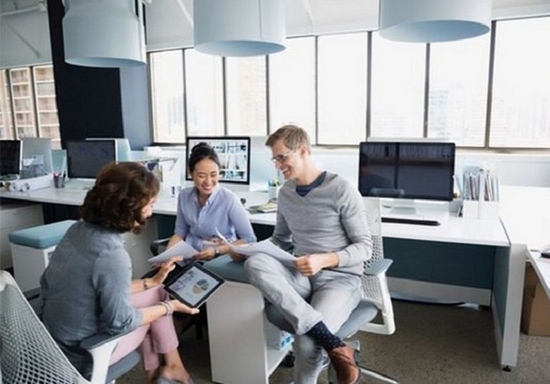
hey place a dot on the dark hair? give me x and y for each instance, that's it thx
(120, 193)
(200, 152)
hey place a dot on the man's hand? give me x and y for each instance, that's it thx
(309, 265)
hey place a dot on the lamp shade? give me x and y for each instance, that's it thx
(239, 27)
(103, 33)
(430, 21)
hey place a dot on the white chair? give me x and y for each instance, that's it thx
(376, 296)
(28, 354)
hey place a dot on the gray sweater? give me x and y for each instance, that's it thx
(330, 218)
(86, 290)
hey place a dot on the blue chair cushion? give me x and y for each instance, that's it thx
(227, 268)
(42, 236)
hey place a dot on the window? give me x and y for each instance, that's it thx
(6, 119)
(342, 89)
(246, 96)
(292, 93)
(22, 102)
(397, 88)
(167, 96)
(459, 79)
(520, 114)
(28, 106)
(330, 86)
(204, 83)
(46, 106)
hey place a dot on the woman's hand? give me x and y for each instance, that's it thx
(164, 269)
(206, 254)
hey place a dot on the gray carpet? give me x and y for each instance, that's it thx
(432, 344)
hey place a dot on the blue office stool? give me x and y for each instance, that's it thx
(31, 249)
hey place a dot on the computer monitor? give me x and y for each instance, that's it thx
(123, 150)
(36, 156)
(85, 158)
(234, 155)
(10, 157)
(407, 170)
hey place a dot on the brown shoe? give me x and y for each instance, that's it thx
(343, 361)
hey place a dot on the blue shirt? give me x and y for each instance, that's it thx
(223, 211)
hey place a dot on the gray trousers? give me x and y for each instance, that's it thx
(304, 301)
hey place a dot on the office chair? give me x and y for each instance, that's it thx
(28, 353)
(376, 297)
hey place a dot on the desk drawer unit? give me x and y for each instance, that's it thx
(14, 216)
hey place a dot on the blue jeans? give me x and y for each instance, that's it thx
(304, 301)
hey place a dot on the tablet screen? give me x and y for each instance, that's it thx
(193, 285)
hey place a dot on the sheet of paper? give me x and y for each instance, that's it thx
(265, 246)
(181, 248)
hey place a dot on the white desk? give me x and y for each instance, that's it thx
(505, 294)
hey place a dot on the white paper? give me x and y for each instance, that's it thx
(181, 248)
(265, 246)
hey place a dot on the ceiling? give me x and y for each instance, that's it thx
(300, 13)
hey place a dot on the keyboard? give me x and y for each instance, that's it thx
(264, 208)
(399, 220)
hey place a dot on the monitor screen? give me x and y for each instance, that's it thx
(410, 170)
(85, 158)
(36, 156)
(10, 157)
(234, 155)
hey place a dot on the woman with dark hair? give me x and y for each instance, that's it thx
(87, 287)
(207, 207)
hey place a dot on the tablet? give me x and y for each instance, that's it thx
(193, 285)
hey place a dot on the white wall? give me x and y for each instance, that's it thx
(24, 39)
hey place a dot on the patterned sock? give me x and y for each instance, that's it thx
(320, 333)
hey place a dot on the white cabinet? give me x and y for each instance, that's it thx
(239, 351)
(14, 216)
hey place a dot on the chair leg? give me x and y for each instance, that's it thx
(378, 375)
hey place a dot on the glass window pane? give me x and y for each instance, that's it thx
(22, 101)
(48, 120)
(204, 83)
(6, 120)
(520, 115)
(458, 91)
(342, 88)
(246, 96)
(292, 92)
(167, 96)
(397, 88)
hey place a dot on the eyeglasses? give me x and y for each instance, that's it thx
(283, 157)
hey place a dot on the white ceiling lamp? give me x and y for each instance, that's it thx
(104, 33)
(428, 21)
(239, 27)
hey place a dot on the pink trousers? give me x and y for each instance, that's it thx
(153, 339)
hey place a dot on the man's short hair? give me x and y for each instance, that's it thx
(292, 136)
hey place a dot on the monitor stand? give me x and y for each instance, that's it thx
(401, 207)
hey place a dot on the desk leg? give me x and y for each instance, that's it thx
(508, 282)
(236, 335)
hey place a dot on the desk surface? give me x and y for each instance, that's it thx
(452, 229)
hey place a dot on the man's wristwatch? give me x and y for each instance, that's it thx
(217, 250)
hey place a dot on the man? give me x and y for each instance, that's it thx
(321, 217)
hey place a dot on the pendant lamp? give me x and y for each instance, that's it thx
(104, 33)
(428, 21)
(239, 27)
